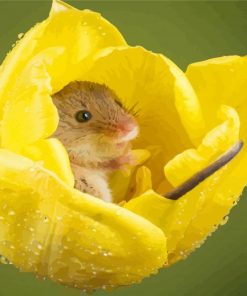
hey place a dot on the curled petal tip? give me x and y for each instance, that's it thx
(58, 6)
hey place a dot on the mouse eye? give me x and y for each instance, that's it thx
(83, 116)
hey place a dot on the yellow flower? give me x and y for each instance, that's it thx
(51, 229)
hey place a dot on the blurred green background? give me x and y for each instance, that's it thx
(185, 32)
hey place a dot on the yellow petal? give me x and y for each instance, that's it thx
(211, 197)
(221, 81)
(120, 181)
(52, 155)
(158, 91)
(187, 221)
(80, 33)
(214, 143)
(187, 104)
(31, 115)
(58, 6)
(152, 206)
(171, 216)
(216, 198)
(143, 181)
(48, 57)
(70, 237)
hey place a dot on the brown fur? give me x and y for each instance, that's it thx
(99, 145)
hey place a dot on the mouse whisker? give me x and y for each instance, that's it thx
(130, 109)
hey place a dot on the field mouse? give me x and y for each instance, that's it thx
(96, 130)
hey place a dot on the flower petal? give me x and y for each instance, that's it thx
(143, 180)
(52, 155)
(70, 237)
(189, 220)
(80, 33)
(30, 104)
(214, 143)
(221, 81)
(152, 86)
(48, 57)
(121, 180)
(217, 196)
(212, 196)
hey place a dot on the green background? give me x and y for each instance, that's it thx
(185, 32)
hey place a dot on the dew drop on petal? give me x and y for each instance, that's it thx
(39, 246)
(4, 260)
(11, 213)
(20, 35)
(224, 221)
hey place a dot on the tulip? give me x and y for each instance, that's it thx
(189, 170)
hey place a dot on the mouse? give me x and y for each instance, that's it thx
(96, 130)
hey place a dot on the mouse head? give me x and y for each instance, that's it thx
(94, 126)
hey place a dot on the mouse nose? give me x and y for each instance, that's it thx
(127, 129)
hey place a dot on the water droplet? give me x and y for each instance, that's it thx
(100, 28)
(1, 218)
(20, 35)
(59, 218)
(224, 221)
(118, 212)
(103, 33)
(31, 229)
(76, 264)
(39, 246)
(4, 260)
(106, 253)
(11, 213)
